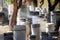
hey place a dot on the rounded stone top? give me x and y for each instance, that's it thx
(33, 36)
(19, 27)
(36, 25)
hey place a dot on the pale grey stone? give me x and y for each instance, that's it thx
(19, 32)
(1, 36)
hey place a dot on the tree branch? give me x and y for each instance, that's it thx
(52, 7)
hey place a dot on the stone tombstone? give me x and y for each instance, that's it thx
(24, 12)
(1, 17)
(24, 20)
(5, 11)
(53, 18)
(1, 36)
(35, 28)
(8, 36)
(50, 27)
(33, 37)
(35, 20)
(34, 13)
(19, 32)
(29, 22)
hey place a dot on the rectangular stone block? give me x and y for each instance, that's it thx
(35, 28)
(24, 12)
(8, 36)
(34, 13)
(1, 36)
(35, 20)
(33, 37)
(19, 32)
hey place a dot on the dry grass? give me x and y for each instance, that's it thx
(4, 29)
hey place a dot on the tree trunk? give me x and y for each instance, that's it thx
(52, 7)
(14, 16)
(59, 34)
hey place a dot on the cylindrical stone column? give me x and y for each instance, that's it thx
(29, 22)
(35, 28)
(33, 37)
(35, 20)
(1, 36)
(19, 32)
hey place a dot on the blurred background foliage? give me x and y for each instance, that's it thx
(8, 2)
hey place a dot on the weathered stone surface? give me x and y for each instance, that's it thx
(19, 32)
(35, 20)
(34, 13)
(35, 28)
(33, 37)
(24, 12)
(8, 36)
(1, 36)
